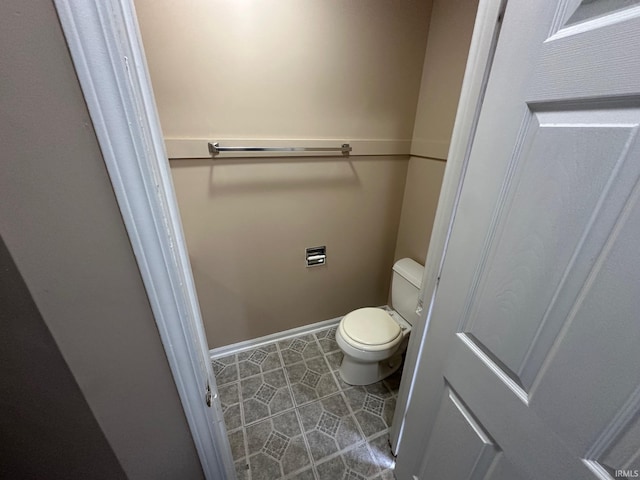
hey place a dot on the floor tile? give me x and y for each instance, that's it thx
(329, 426)
(276, 447)
(230, 402)
(225, 369)
(265, 395)
(304, 475)
(356, 463)
(386, 475)
(258, 360)
(381, 451)
(294, 350)
(242, 470)
(334, 359)
(327, 340)
(392, 382)
(341, 383)
(378, 389)
(373, 407)
(236, 440)
(311, 380)
(290, 416)
(264, 467)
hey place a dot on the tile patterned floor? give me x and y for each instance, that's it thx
(290, 416)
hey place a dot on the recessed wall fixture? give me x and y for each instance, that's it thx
(316, 256)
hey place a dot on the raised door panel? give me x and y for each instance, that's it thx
(589, 386)
(594, 9)
(503, 410)
(563, 175)
(623, 452)
(459, 447)
(603, 68)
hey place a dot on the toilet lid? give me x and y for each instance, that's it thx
(370, 326)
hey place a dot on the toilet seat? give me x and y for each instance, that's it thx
(370, 329)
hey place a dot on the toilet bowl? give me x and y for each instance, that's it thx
(373, 340)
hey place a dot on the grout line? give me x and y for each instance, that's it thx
(295, 473)
(271, 415)
(366, 439)
(260, 373)
(370, 450)
(353, 415)
(298, 416)
(342, 452)
(242, 423)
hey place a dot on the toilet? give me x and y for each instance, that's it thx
(374, 339)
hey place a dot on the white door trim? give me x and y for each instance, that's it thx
(483, 41)
(107, 52)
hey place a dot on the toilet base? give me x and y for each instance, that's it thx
(355, 372)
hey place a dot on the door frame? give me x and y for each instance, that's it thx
(481, 51)
(108, 57)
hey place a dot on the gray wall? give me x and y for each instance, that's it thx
(62, 228)
(48, 430)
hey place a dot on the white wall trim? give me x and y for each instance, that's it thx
(105, 46)
(273, 337)
(276, 337)
(178, 148)
(483, 41)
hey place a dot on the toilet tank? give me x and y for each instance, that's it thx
(405, 288)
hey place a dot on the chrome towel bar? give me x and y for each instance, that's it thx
(215, 149)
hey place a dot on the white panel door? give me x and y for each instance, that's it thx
(531, 366)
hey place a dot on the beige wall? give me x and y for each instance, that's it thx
(444, 63)
(288, 69)
(424, 179)
(347, 69)
(62, 228)
(247, 225)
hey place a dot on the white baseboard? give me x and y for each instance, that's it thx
(274, 337)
